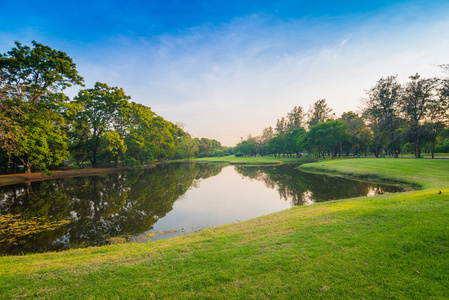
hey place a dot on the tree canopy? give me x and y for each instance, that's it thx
(40, 127)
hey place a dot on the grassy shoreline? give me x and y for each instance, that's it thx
(387, 246)
(264, 160)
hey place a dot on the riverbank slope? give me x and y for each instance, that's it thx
(39, 176)
(387, 246)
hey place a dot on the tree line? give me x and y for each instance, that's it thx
(41, 127)
(396, 118)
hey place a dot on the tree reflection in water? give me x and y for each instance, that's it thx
(76, 212)
(301, 188)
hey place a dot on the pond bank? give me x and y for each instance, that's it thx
(38, 176)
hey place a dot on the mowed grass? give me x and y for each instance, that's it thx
(393, 246)
(261, 160)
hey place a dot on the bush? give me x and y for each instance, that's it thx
(443, 147)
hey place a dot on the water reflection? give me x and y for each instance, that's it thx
(173, 199)
(59, 214)
(301, 188)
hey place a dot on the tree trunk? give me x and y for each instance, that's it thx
(94, 159)
(417, 150)
(432, 146)
(27, 169)
(26, 165)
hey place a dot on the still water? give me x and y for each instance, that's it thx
(145, 205)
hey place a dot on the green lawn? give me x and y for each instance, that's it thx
(393, 246)
(255, 160)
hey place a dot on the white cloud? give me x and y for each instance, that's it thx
(226, 81)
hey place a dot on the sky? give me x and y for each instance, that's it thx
(226, 69)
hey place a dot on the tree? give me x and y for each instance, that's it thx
(419, 99)
(114, 146)
(281, 126)
(188, 147)
(356, 129)
(101, 110)
(319, 113)
(147, 135)
(32, 105)
(325, 137)
(31, 73)
(291, 140)
(296, 118)
(267, 135)
(205, 147)
(382, 113)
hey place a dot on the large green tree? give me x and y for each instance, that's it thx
(101, 111)
(419, 100)
(32, 105)
(326, 137)
(382, 113)
(357, 130)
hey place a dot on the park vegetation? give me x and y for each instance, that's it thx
(41, 128)
(396, 118)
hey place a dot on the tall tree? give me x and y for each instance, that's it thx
(281, 126)
(318, 113)
(114, 146)
(382, 112)
(419, 99)
(295, 118)
(267, 135)
(31, 102)
(356, 129)
(30, 73)
(327, 136)
(102, 110)
(147, 136)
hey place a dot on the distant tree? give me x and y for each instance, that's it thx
(436, 119)
(419, 99)
(319, 113)
(281, 126)
(188, 147)
(267, 135)
(325, 137)
(365, 139)
(356, 129)
(205, 147)
(382, 113)
(295, 118)
(291, 140)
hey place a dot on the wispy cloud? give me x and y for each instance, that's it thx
(227, 80)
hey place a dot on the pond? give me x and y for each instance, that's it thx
(150, 204)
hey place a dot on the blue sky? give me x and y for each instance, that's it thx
(229, 68)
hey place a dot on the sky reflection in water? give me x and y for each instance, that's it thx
(140, 205)
(241, 193)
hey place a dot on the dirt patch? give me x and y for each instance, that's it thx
(21, 178)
